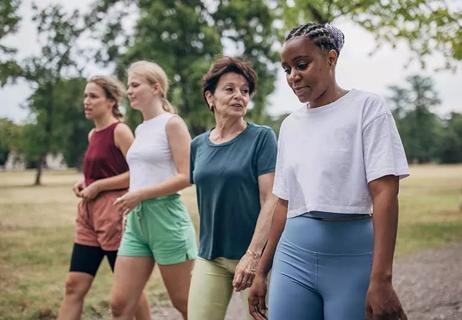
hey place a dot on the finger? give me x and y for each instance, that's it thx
(118, 200)
(237, 279)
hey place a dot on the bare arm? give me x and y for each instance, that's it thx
(245, 270)
(381, 300)
(257, 292)
(179, 141)
(123, 139)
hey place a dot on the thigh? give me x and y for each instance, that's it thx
(177, 279)
(339, 277)
(86, 259)
(130, 277)
(291, 300)
(292, 289)
(210, 292)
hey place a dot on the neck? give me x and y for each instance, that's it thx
(228, 127)
(104, 121)
(330, 95)
(153, 110)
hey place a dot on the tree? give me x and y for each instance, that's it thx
(420, 128)
(427, 26)
(184, 37)
(9, 20)
(451, 148)
(9, 135)
(45, 72)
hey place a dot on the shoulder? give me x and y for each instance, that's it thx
(373, 106)
(261, 131)
(200, 139)
(122, 130)
(175, 125)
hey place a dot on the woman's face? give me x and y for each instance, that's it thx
(95, 102)
(309, 70)
(140, 92)
(231, 95)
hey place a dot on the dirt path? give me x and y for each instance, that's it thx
(429, 284)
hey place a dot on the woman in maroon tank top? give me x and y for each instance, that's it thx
(106, 177)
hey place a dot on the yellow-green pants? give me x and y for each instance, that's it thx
(212, 288)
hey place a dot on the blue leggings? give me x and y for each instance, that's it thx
(321, 270)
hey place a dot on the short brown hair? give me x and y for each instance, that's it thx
(224, 65)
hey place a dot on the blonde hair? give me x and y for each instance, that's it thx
(113, 89)
(153, 73)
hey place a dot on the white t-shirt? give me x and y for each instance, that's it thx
(149, 158)
(328, 155)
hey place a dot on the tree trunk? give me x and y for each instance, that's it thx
(38, 174)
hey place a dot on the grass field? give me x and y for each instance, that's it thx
(36, 234)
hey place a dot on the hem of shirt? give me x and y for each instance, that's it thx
(401, 173)
(332, 209)
(280, 194)
(216, 256)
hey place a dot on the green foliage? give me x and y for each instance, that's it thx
(185, 37)
(47, 73)
(421, 130)
(427, 26)
(451, 146)
(9, 135)
(9, 20)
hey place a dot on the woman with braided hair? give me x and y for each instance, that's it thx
(339, 162)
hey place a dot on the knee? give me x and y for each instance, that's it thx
(118, 305)
(75, 288)
(181, 304)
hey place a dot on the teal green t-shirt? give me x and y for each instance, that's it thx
(226, 179)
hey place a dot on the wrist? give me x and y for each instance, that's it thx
(382, 277)
(253, 254)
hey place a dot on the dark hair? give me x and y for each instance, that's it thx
(225, 65)
(325, 36)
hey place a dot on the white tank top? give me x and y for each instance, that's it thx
(149, 158)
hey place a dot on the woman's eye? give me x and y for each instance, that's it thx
(302, 66)
(245, 91)
(287, 70)
(229, 89)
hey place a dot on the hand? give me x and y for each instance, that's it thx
(90, 192)
(245, 271)
(127, 202)
(257, 295)
(78, 187)
(382, 302)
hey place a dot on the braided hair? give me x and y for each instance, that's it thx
(324, 36)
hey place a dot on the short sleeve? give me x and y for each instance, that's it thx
(279, 186)
(266, 152)
(383, 150)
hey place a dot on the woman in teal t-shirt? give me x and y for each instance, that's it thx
(232, 166)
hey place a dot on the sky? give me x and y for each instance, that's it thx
(356, 68)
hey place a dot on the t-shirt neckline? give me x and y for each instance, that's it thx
(210, 143)
(331, 105)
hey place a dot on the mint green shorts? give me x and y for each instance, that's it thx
(160, 228)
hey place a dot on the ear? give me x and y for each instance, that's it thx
(210, 99)
(332, 58)
(156, 88)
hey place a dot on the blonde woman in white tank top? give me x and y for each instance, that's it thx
(159, 229)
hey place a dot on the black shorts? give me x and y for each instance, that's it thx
(87, 259)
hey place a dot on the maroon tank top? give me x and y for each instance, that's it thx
(103, 159)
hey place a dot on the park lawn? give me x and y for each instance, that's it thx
(36, 234)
